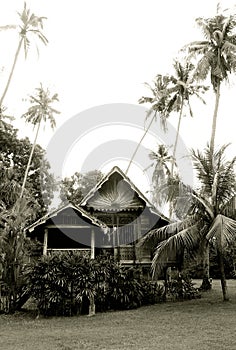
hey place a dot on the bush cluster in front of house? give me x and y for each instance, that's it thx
(64, 285)
(181, 287)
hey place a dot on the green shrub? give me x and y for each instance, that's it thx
(181, 287)
(152, 291)
(64, 283)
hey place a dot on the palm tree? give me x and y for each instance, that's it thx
(206, 219)
(30, 24)
(40, 111)
(217, 55)
(161, 159)
(180, 90)
(217, 58)
(172, 96)
(158, 106)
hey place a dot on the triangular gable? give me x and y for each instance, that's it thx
(94, 221)
(127, 197)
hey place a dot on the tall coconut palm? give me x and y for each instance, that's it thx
(161, 162)
(158, 106)
(30, 24)
(206, 218)
(180, 91)
(170, 97)
(40, 111)
(216, 55)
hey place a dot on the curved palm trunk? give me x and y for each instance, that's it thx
(213, 130)
(222, 275)
(206, 285)
(174, 152)
(177, 138)
(137, 147)
(29, 161)
(12, 71)
(222, 269)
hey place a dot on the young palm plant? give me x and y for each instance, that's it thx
(206, 219)
(30, 24)
(40, 111)
(216, 55)
(14, 249)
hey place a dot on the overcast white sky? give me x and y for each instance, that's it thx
(102, 52)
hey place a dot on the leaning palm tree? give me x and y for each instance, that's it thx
(216, 55)
(157, 101)
(175, 96)
(30, 24)
(206, 219)
(40, 111)
(180, 91)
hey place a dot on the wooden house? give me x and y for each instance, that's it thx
(67, 228)
(111, 219)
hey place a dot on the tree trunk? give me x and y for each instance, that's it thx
(222, 275)
(29, 161)
(206, 284)
(11, 72)
(141, 140)
(165, 284)
(213, 130)
(92, 306)
(177, 138)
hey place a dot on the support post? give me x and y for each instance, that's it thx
(45, 241)
(139, 236)
(92, 244)
(118, 238)
(92, 257)
(134, 243)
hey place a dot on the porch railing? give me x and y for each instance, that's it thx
(83, 252)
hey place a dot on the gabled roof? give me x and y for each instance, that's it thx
(88, 198)
(55, 212)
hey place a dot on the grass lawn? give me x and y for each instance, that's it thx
(202, 324)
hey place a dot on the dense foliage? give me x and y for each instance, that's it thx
(76, 187)
(14, 155)
(64, 283)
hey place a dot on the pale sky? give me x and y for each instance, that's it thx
(102, 52)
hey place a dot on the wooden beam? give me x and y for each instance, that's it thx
(67, 226)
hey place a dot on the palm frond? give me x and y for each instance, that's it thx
(173, 247)
(8, 26)
(155, 236)
(223, 229)
(41, 109)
